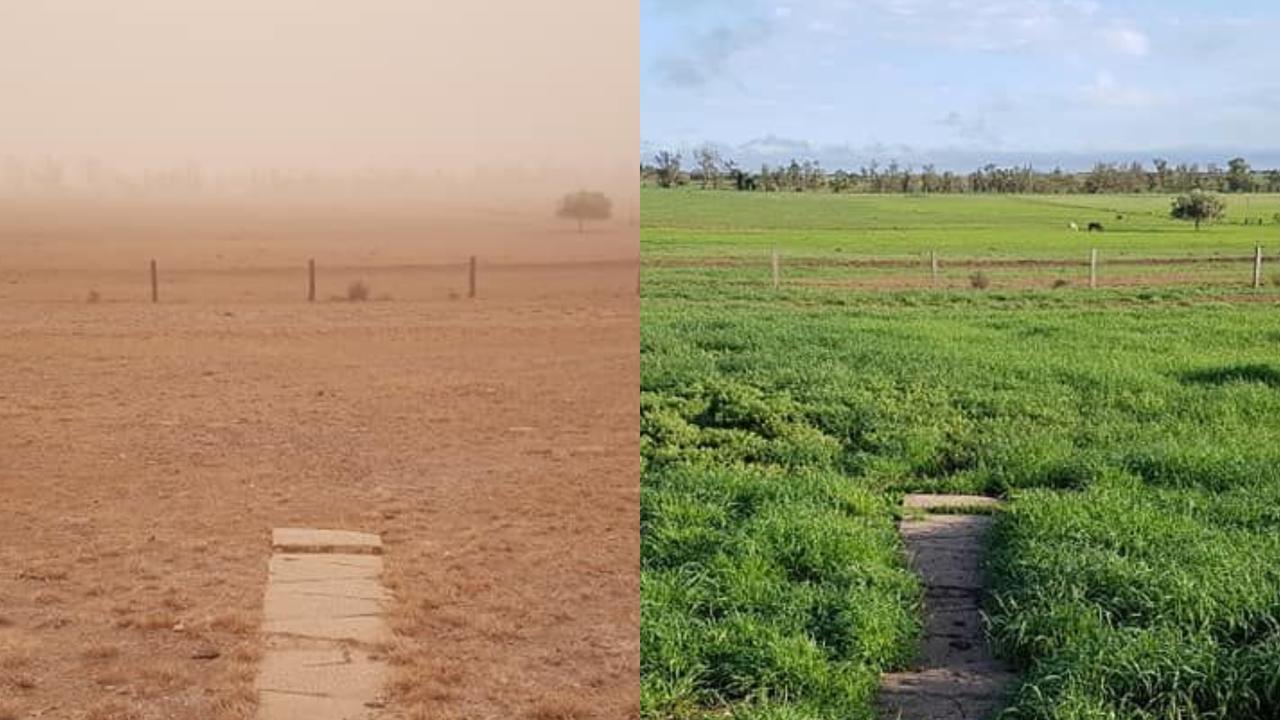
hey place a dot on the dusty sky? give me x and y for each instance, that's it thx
(323, 84)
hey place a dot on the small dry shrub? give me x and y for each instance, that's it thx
(979, 281)
(94, 297)
(1061, 283)
(357, 291)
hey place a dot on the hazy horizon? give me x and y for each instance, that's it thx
(324, 88)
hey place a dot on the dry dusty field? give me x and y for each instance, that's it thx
(147, 450)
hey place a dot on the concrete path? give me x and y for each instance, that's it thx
(956, 677)
(323, 619)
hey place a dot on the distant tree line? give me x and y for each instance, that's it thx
(710, 170)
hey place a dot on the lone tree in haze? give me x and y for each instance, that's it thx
(584, 205)
(1198, 206)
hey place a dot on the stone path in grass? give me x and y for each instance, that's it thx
(956, 676)
(323, 619)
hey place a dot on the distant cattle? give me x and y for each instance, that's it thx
(1074, 227)
(1095, 227)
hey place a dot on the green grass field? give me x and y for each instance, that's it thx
(701, 224)
(1137, 570)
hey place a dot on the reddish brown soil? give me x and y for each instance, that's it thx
(147, 450)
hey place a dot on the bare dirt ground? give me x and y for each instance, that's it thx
(146, 451)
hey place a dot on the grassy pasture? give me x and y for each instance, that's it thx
(727, 224)
(1136, 573)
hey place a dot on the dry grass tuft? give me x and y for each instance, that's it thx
(11, 710)
(44, 573)
(45, 597)
(560, 706)
(234, 623)
(17, 651)
(979, 281)
(100, 651)
(111, 710)
(157, 621)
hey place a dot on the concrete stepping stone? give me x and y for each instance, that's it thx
(924, 501)
(308, 540)
(323, 620)
(956, 676)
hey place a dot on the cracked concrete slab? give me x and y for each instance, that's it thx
(296, 682)
(924, 501)
(310, 540)
(956, 676)
(324, 618)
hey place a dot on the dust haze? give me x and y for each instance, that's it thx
(414, 130)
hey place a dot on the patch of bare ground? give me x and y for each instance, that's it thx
(148, 450)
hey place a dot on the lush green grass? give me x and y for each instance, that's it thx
(1136, 432)
(693, 223)
(1133, 601)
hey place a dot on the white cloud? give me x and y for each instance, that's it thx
(1127, 42)
(1109, 91)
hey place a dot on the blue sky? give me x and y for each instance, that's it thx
(953, 81)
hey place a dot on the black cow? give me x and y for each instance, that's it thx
(1095, 227)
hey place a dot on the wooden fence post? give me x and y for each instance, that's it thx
(1257, 267)
(1093, 268)
(933, 266)
(155, 283)
(471, 278)
(775, 268)
(311, 280)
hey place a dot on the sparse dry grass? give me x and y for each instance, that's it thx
(100, 651)
(112, 710)
(233, 623)
(11, 710)
(141, 511)
(561, 706)
(157, 621)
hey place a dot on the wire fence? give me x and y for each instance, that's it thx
(1093, 269)
(313, 281)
